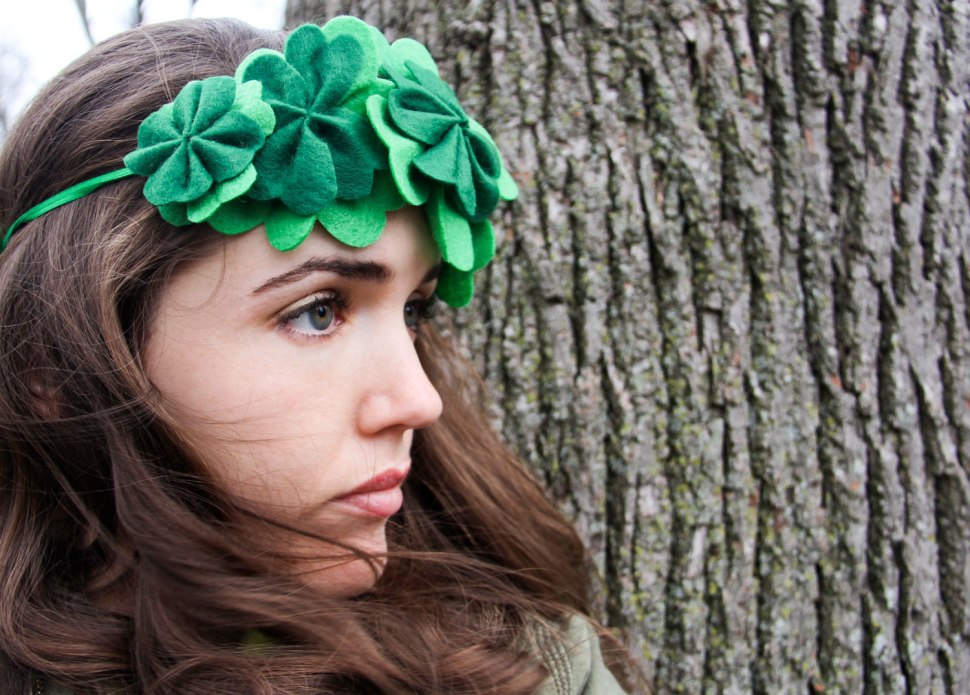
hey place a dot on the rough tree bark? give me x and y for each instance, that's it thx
(729, 323)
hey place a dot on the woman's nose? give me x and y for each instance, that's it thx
(399, 394)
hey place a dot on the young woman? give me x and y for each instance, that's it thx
(241, 462)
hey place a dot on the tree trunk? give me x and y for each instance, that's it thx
(729, 322)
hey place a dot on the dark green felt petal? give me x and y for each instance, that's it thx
(158, 128)
(145, 160)
(239, 216)
(273, 159)
(464, 185)
(180, 179)
(228, 147)
(455, 287)
(311, 183)
(485, 154)
(368, 61)
(184, 107)
(342, 67)
(295, 166)
(282, 84)
(174, 214)
(306, 51)
(215, 97)
(437, 88)
(420, 115)
(354, 148)
(486, 186)
(507, 188)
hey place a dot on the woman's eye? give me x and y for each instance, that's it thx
(417, 311)
(317, 318)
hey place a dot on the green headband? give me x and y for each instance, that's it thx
(340, 128)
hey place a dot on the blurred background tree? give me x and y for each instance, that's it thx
(12, 66)
(729, 321)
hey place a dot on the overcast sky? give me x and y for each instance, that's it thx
(49, 33)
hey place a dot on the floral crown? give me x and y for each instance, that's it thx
(340, 128)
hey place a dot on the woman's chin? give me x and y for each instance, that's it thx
(337, 572)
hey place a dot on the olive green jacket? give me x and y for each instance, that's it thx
(575, 663)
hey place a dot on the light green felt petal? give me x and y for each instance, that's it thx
(455, 287)
(483, 241)
(286, 230)
(353, 222)
(507, 188)
(249, 100)
(401, 152)
(404, 50)
(356, 100)
(451, 232)
(202, 209)
(359, 223)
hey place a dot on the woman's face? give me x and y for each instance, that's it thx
(297, 379)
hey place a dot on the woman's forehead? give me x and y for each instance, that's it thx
(247, 263)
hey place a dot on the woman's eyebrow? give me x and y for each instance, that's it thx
(367, 271)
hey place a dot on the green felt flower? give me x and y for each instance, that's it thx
(338, 130)
(430, 138)
(323, 147)
(200, 147)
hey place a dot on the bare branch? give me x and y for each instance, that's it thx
(82, 9)
(12, 68)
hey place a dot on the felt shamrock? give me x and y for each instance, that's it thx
(320, 161)
(197, 151)
(440, 158)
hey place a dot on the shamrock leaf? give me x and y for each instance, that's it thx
(432, 140)
(197, 152)
(322, 148)
(200, 140)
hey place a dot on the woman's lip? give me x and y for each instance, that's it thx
(385, 480)
(379, 496)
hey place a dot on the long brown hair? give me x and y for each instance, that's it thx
(121, 563)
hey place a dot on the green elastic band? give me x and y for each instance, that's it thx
(71, 194)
